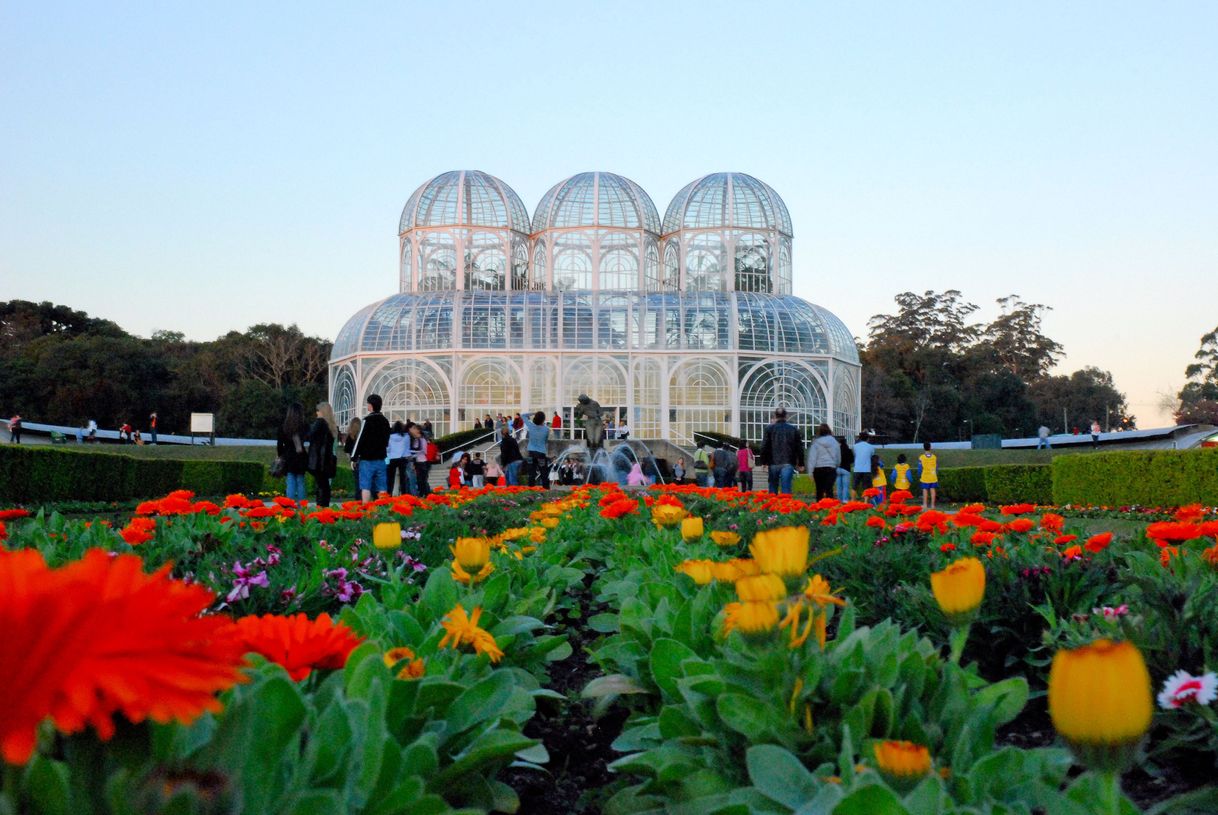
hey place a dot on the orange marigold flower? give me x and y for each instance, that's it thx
(462, 628)
(1211, 556)
(981, 538)
(1098, 543)
(1190, 513)
(139, 530)
(876, 522)
(964, 520)
(900, 496)
(1073, 552)
(1052, 521)
(619, 507)
(298, 643)
(414, 667)
(99, 637)
(1165, 532)
(1021, 525)
(1017, 509)
(972, 509)
(1062, 540)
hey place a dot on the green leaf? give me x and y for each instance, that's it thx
(439, 596)
(871, 800)
(779, 775)
(666, 657)
(46, 781)
(1008, 697)
(744, 714)
(604, 623)
(489, 747)
(612, 685)
(479, 702)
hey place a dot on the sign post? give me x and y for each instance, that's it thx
(204, 424)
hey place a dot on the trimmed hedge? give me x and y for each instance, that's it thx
(1017, 483)
(963, 485)
(1142, 477)
(47, 474)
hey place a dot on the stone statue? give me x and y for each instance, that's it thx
(594, 420)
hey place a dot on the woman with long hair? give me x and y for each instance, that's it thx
(349, 439)
(539, 465)
(416, 452)
(399, 448)
(322, 459)
(290, 446)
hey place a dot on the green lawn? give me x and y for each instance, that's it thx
(184, 451)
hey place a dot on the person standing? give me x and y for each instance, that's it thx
(1042, 439)
(92, 428)
(928, 475)
(370, 448)
(782, 450)
(539, 465)
(80, 434)
(1095, 433)
(14, 429)
(900, 474)
(721, 463)
(427, 432)
(399, 444)
(509, 453)
(863, 451)
(348, 440)
(477, 423)
(745, 461)
(556, 425)
(824, 457)
(290, 446)
(323, 463)
(475, 472)
(152, 426)
(846, 462)
(493, 471)
(678, 471)
(416, 452)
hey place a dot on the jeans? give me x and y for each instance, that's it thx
(372, 477)
(746, 480)
(539, 470)
(422, 470)
(720, 477)
(154, 435)
(1043, 444)
(824, 478)
(396, 471)
(512, 473)
(781, 476)
(296, 486)
(843, 485)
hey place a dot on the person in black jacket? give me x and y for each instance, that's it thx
(782, 448)
(290, 446)
(322, 460)
(509, 451)
(370, 449)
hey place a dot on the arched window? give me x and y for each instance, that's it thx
(752, 263)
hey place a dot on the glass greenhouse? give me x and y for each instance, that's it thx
(677, 325)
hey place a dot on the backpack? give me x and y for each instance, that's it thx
(433, 452)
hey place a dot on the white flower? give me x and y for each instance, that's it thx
(1182, 687)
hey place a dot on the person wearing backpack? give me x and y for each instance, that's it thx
(323, 461)
(701, 466)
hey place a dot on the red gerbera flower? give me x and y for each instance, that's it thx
(1018, 509)
(1098, 543)
(298, 643)
(99, 637)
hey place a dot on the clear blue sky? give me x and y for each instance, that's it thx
(204, 167)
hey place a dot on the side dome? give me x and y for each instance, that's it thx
(727, 200)
(464, 198)
(599, 200)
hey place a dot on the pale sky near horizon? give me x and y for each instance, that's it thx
(205, 167)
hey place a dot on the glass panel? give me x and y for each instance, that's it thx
(752, 262)
(438, 262)
(485, 262)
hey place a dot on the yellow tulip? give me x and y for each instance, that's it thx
(902, 763)
(691, 529)
(782, 551)
(761, 588)
(471, 553)
(699, 570)
(725, 538)
(958, 589)
(387, 536)
(750, 618)
(1100, 702)
(667, 515)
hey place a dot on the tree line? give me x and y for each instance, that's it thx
(61, 366)
(1197, 401)
(930, 371)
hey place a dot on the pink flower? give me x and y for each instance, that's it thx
(1110, 613)
(1182, 687)
(243, 578)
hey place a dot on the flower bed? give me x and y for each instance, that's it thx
(679, 650)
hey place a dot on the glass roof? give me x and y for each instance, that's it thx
(596, 199)
(581, 320)
(722, 200)
(465, 198)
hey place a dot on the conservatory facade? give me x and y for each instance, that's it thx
(677, 326)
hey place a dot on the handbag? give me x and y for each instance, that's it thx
(279, 467)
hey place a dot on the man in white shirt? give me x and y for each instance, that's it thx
(863, 451)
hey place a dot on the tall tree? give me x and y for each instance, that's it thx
(1202, 374)
(1017, 341)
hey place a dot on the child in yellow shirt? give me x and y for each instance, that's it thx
(928, 475)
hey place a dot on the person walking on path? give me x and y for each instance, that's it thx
(1042, 439)
(509, 453)
(370, 448)
(290, 446)
(928, 475)
(539, 465)
(845, 465)
(745, 461)
(399, 443)
(782, 450)
(14, 429)
(152, 426)
(823, 459)
(863, 451)
(721, 463)
(323, 462)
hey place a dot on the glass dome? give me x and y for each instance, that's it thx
(596, 199)
(727, 200)
(464, 198)
(558, 321)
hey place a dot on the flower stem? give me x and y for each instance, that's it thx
(958, 639)
(1110, 790)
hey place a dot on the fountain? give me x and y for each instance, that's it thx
(610, 463)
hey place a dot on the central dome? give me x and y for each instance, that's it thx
(596, 199)
(723, 200)
(464, 198)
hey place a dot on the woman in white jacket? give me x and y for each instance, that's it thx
(823, 460)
